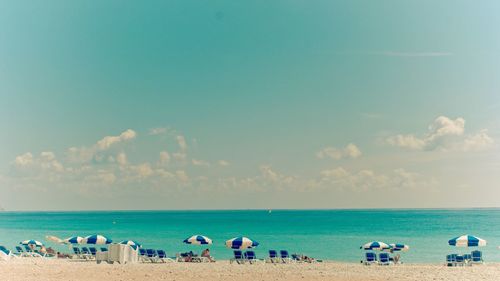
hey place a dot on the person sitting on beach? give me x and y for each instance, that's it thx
(307, 259)
(51, 251)
(206, 254)
(188, 257)
(43, 250)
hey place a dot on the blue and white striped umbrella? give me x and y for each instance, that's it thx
(73, 240)
(32, 242)
(375, 245)
(467, 241)
(399, 247)
(131, 243)
(198, 240)
(240, 243)
(96, 240)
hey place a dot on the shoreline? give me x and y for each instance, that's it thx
(60, 269)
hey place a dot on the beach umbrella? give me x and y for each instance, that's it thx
(399, 247)
(73, 240)
(97, 240)
(375, 245)
(32, 242)
(198, 240)
(467, 241)
(131, 243)
(241, 243)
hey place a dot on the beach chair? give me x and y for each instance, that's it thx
(20, 251)
(460, 260)
(273, 256)
(104, 249)
(451, 260)
(30, 253)
(296, 258)
(77, 253)
(162, 256)
(142, 255)
(370, 258)
(86, 254)
(285, 257)
(476, 257)
(6, 254)
(93, 251)
(151, 255)
(250, 257)
(238, 257)
(383, 259)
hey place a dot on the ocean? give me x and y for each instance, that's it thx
(324, 234)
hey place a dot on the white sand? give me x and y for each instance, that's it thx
(55, 270)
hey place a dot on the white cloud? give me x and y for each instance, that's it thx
(181, 157)
(444, 134)
(350, 151)
(158, 131)
(108, 141)
(223, 163)
(478, 142)
(143, 170)
(182, 176)
(197, 162)
(368, 179)
(181, 141)
(24, 159)
(164, 157)
(121, 159)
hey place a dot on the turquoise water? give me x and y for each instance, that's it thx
(326, 234)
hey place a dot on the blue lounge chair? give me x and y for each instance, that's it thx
(142, 255)
(77, 252)
(285, 257)
(93, 251)
(250, 256)
(476, 257)
(104, 249)
(151, 255)
(384, 259)
(370, 258)
(460, 260)
(238, 257)
(162, 256)
(20, 251)
(273, 256)
(86, 254)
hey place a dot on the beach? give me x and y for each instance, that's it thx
(59, 270)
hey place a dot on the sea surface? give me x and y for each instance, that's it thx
(325, 234)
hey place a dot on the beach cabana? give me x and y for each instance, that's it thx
(241, 243)
(96, 240)
(198, 240)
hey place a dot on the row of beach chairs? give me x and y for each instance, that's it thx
(153, 256)
(250, 257)
(28, 252)
(383, 259)
(87, 253)
(475, 257)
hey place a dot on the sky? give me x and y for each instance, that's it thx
(249, 104)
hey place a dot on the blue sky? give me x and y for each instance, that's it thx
(249, 104)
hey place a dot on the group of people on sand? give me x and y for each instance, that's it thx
(190, 256)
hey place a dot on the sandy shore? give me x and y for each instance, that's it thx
(55, 270)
